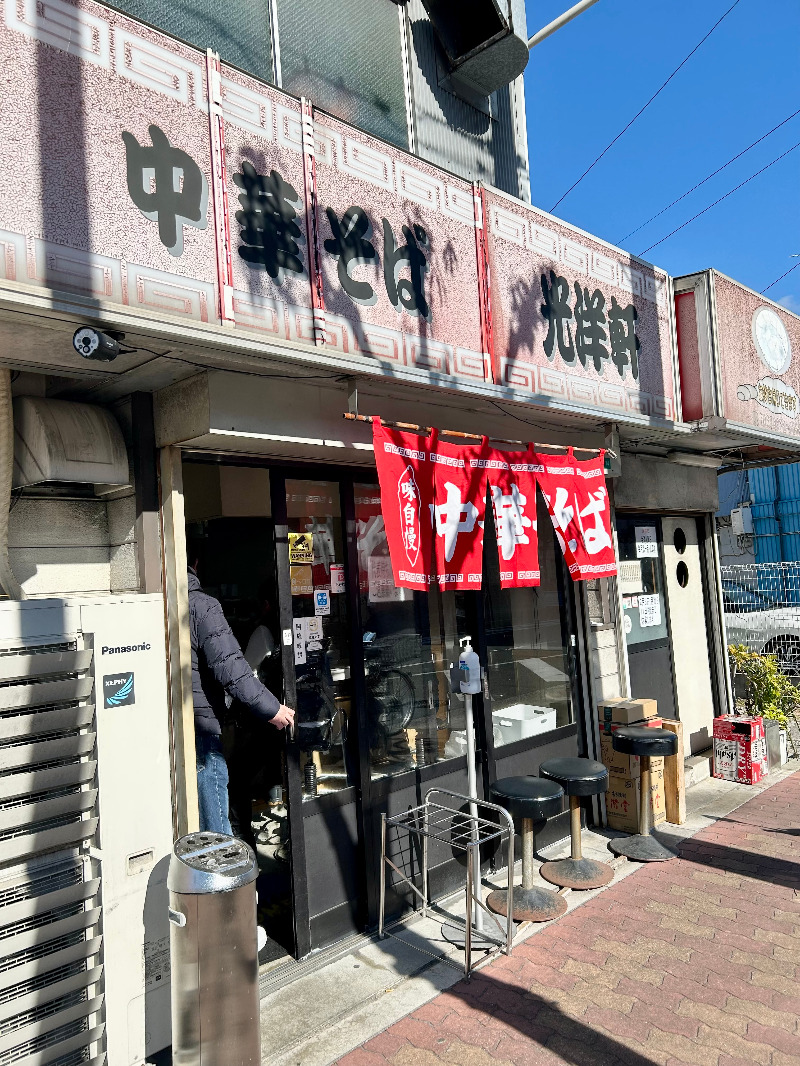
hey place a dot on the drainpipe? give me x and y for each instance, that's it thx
(10, 585)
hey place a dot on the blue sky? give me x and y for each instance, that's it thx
(583, 85)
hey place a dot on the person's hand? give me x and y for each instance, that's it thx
(284, 717)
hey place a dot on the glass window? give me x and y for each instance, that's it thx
(641, 579)
(329, 53)
(238, 30)
(409, 638)
(528, 659)
(320, 631)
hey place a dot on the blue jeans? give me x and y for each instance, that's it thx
(212, 784)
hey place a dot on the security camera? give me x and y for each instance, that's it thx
(92, 344)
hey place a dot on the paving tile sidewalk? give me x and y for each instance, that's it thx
(694, 961)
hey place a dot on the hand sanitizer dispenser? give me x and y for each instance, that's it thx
(470, 666)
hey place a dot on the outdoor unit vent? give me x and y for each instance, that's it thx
(485, 41)
(56, 440)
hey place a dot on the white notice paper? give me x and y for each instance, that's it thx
(649, 611)
(300, 637)
(646, 542)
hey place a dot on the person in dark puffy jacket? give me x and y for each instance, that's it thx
(218, 669)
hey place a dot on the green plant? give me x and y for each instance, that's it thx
(768, 691)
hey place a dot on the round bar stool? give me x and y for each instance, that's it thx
(578, 777)
(533, 800)
(646, 743)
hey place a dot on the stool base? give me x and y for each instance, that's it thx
(577, 873)
(530, 904)
(642, 848)
(479, 941)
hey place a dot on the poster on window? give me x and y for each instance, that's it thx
(459, 482)
(577, 500)
(649, 611)
(646, 542)
(512, 492)
(405, 473)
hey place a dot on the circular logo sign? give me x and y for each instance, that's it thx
(771, 340)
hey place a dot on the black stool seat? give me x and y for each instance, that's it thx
(529, 797)
(639, 740)
(578, 777)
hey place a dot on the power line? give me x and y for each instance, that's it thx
(643, 109)
(786, 275)
(721, 198)
(713, 174)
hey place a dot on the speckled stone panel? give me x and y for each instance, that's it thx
(742, 368)
(524, 244)
(262, 128)
(74, 77)
(356, 170)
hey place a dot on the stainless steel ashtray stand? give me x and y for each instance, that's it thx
(465, 832)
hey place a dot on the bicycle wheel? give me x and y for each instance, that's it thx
(392, 698)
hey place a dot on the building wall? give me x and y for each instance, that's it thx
(488, 145)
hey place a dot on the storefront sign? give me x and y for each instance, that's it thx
(143, 173)
(106, 187)
(405, 474)
(575, 320)
(739, 357)
(322, 601)
(459, 481)
(423, 476)
(512, 490)
(577, 500)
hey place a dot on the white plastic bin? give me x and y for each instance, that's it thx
(523, 720)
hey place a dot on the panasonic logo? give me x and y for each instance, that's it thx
(124, 649)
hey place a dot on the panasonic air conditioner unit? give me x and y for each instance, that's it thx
(57, 440)
(85, 830)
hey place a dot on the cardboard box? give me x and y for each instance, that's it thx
(620, 765)
(740, 749)
(627, 712)
(623, 797)
(674, 782)
(607, 728)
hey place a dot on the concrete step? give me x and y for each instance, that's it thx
(698, 767)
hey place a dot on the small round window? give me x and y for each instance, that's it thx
(682, 574)
(679, 540)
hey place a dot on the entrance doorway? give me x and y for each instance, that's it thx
(644, 607)
(299, 559)
(229, 523)
(663, 588)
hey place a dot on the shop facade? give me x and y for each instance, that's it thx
(264, 268)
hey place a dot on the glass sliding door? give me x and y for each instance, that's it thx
(409, 640)
(528, 649)
(644, 610)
